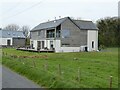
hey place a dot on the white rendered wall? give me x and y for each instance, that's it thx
(0, 41)
(92, 36)
(3, 41)
(57, 46)
(56, 43)
(34, 43)
(68, 49)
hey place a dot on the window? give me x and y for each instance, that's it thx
(57, 33)
(51, 44)
(58, 27)
(92, 44)
(65, 45)
(13, 33)
(39, 32)
(50, 33)
(8, 33)
(65, 33)
(31, 44)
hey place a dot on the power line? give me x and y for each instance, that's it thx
(12, 8)
(24, 10)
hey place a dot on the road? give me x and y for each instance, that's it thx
(11, 79)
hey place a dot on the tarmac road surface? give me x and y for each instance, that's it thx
(11, 79)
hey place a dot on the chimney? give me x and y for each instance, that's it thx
(59, 16)
(55, 20)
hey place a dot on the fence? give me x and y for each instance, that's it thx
(59, 69)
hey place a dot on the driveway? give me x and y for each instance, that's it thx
(11, 79)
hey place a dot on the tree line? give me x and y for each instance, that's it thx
(109, 32)
(16, 27)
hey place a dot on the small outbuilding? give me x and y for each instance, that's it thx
(12, 38)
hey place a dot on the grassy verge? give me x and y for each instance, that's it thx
(77, 70)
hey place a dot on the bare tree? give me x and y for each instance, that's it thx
(25, 30)
(13, 27)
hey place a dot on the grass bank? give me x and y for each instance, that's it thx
(65, 70)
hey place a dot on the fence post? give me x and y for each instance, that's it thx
(3, 53)
(34, 63)
(46, 66)
(110, 82)
(59, 69)
(79, 74)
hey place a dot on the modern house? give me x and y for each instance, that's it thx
(12, 38)
(65, 35)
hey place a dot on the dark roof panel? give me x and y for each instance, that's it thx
(11, 34)
(86, 25)
(50, 24)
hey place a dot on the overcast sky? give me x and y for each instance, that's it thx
(33, 12)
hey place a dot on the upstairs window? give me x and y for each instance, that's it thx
(65, 33)
(58, 27)
(50, 33)
(39, 32)
(57, 33)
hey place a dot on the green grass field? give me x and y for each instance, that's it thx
(77, 70)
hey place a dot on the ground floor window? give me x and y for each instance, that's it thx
(51, 44)
(65, 45)
(40, 44)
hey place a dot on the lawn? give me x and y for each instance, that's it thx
(65, 70)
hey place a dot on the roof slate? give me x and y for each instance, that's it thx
(11, 34)
(50, 24)
(83, 25)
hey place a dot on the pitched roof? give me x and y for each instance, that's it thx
(83, 25)
(50, 24)
(11, 34)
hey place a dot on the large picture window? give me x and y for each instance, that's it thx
(65, 33)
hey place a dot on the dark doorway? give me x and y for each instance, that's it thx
(51, 44)
(42, 44)
(92, 44)
(8, 42)
(86, 49)
(38, 45)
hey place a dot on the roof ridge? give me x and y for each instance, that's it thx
(11, 31)
(53, 20)
(84, 20)
(57, 22)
